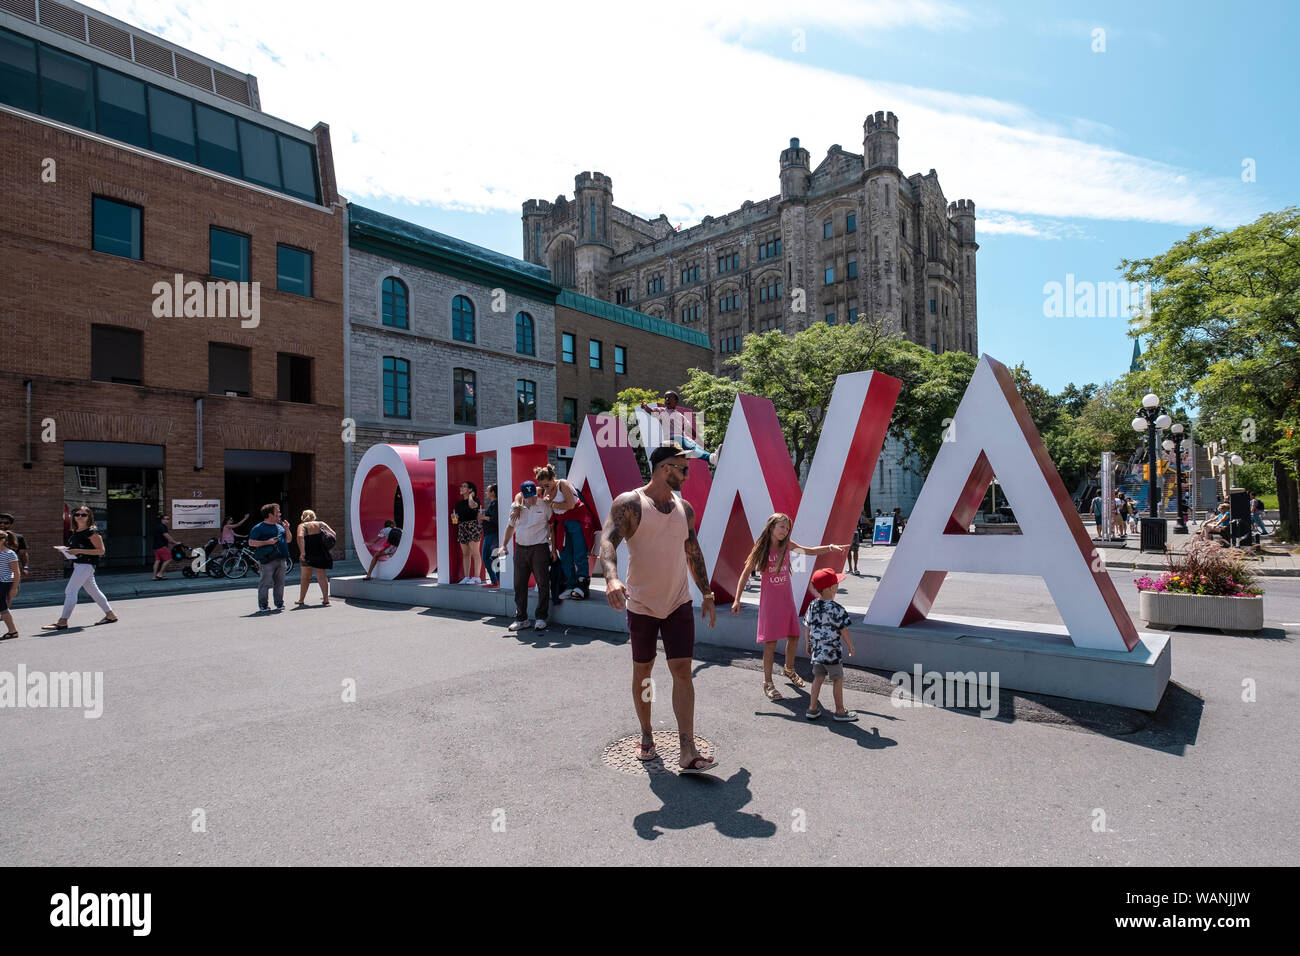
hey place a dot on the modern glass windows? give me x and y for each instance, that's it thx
(397, 387)
(395, 302)
(171, 125)
(122, 111)
(18, 72)
(620, 360)
(116, 355)
(67, 89)
(568, 348)
(299, 168)
(462, 319)
(851, 222)
(229, 370)
(293, 270)
(257, 149)
(525, 340)
(526, 399)
(228, 254)
(117, 228)
(465, 409)
(218, 141)
(595, 353)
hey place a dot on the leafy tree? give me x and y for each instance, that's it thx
(1224, 325)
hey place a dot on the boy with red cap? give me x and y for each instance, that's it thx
(827, 624)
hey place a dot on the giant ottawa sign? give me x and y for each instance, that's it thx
(991, 433)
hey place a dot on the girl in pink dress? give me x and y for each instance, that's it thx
(778, 612)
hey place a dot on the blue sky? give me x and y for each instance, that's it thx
(1076, 157)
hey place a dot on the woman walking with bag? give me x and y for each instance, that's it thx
(85, 546)
(315, 541)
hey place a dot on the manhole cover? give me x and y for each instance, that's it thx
(621, 754)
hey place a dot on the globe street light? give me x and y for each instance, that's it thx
(1151, 419)
(1175, 445)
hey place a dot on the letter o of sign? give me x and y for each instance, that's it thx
(382, 471)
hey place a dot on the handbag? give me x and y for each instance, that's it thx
(327, 540)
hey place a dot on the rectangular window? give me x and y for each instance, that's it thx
(594, 353)
(828, 228)
(853, 269)
(228, 255)
(117, 228)
(171, 125)
(728, 262)
(218, 141)
(122, 113)
(569, 413)
(568, 347)
(851, 222)
(293, 378)
(465, 411)
(526, 398)
(397, 387)
(932, 305)
(261, 158)
(116, 355)
(88, 477)
(620, 360)
(18, 72)
(853, 311)
(299, 169)
(830, 274)
(229, 369)
(293, 270)
(67, 89)
(830, 318)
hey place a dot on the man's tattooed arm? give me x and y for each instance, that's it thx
(694, 556)
(624, 517)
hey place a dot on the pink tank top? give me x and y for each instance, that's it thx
(656, 567)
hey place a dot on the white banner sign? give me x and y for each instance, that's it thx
(195, 513)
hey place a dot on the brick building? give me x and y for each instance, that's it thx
(443, 336)
(853, 236)
(602, 349)
(172, 266)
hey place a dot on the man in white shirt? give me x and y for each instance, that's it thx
(530, 526)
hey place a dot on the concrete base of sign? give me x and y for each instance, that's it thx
(1037, 658)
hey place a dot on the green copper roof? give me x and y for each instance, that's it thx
(1136, 364)
(616, 313)
(392, 238)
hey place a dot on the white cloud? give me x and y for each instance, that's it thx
(482, 106)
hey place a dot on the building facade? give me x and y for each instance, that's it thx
(602, 349)
(172, 266)
(443, 336)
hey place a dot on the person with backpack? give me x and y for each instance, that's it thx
(316, 540)
(269, 541)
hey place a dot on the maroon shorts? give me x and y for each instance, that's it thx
(162, 554)
(677, 631)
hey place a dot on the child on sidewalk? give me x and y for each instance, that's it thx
(778, 615)
(828, 623)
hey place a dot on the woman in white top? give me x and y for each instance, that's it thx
(10, 574)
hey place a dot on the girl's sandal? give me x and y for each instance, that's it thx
(793, 677)
(769, 689)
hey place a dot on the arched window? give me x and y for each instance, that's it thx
(395, 311)
(462, 319)
(524, 341)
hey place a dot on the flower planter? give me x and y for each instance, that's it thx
(1201, 611)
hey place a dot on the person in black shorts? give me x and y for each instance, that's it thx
(315, 556)
(659, 528)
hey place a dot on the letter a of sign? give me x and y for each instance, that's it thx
(994, 434)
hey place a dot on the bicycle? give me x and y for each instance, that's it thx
(240, 559)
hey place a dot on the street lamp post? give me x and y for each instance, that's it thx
(1175, 445)
(1151, 419)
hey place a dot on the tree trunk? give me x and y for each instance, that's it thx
(1288, 502)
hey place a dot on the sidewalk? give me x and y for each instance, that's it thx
(118, 587)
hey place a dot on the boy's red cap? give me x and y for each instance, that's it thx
(825, 578)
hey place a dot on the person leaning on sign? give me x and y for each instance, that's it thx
(530, 526)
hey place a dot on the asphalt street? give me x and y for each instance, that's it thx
(468, 744)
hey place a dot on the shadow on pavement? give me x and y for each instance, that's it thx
(701, 800)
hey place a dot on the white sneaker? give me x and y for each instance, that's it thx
(463, 581)
(520, 625)
(475, 581)
(577, 595)
(540, 624)
(713, 458)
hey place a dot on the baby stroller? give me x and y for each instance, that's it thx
(181, 553)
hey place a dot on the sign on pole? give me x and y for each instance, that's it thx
(190, 513)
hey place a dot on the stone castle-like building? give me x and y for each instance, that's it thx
(855, 236)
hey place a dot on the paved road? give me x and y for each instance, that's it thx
(207, 707)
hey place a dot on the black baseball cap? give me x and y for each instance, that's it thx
(528, 489)
(669, 449)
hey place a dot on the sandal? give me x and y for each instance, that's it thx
(698, 765)
(9, 635)
(793, 677)
(54, 627)
(645, 752)
(107, 620)
(770, 691)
